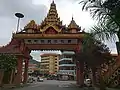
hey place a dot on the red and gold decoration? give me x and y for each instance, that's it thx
(50, 34)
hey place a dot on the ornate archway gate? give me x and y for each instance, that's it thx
(51, 34)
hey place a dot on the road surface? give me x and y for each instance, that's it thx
(52, 85)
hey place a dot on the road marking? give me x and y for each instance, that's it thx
(35, 86)
(63, 85)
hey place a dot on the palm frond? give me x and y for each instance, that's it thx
(103, 32)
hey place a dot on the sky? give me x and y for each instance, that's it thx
(37, 10)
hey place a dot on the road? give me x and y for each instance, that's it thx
(52, 85)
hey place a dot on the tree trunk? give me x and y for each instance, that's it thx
(1, 76)
(11, 77)
(118, 35)
(93, 76)
(102, 83)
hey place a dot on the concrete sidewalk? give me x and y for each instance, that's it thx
(11, 86)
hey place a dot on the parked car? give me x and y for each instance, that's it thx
(39, 79)
(88, 82)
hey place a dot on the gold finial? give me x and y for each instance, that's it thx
(72, 17)
(53, 2)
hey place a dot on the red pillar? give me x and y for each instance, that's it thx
(26, 71)
(77, 74)
(79, 68)
(18, 76)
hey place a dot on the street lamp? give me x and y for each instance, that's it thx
(18, 15)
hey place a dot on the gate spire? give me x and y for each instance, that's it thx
(52, 16)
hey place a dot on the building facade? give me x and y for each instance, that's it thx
(49, 63)
(67, 66)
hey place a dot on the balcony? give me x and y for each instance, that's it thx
(63, 59)
(67, 65)
(66, 70)
(44, 61)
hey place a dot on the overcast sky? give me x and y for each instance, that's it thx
(37, 10)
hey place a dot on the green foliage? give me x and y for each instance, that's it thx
(107, 13)
(94, 52)
(7, 62)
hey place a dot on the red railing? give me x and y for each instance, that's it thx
(112, 68)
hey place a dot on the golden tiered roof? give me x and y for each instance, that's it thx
(51, 21)
(73, 24)
(52, 16)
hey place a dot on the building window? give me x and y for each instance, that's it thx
(42, 41)
(29, 41)
(69, 41)
(55, 41)
(62, 41)
(35, 41)
(49, 41)
(55, 56)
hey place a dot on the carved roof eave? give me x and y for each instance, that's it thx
(10, 50)
(18, 54)
(53, 26)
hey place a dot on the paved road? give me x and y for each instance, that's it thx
(52, 85)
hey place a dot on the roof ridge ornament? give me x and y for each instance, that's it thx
(53, 2)
(73, 24)
(72, 17)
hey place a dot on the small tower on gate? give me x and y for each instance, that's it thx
(52, 16)
(73, 27)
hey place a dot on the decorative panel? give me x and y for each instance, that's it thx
(51, 41)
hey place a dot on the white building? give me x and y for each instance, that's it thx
(67, 66)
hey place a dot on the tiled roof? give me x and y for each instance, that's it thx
(11, 48)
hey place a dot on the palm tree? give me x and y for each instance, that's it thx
(94, 53)
(107, 13)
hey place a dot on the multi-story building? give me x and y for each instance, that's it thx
(49, 63)
(66, 66)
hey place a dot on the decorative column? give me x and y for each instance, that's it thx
(77, 73)
(18, 77)
(79, 67)
(27, 57)
(26, 70)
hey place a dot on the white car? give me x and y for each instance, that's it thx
(40, 79)
(88, 82)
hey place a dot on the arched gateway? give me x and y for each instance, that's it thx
(50, 34)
